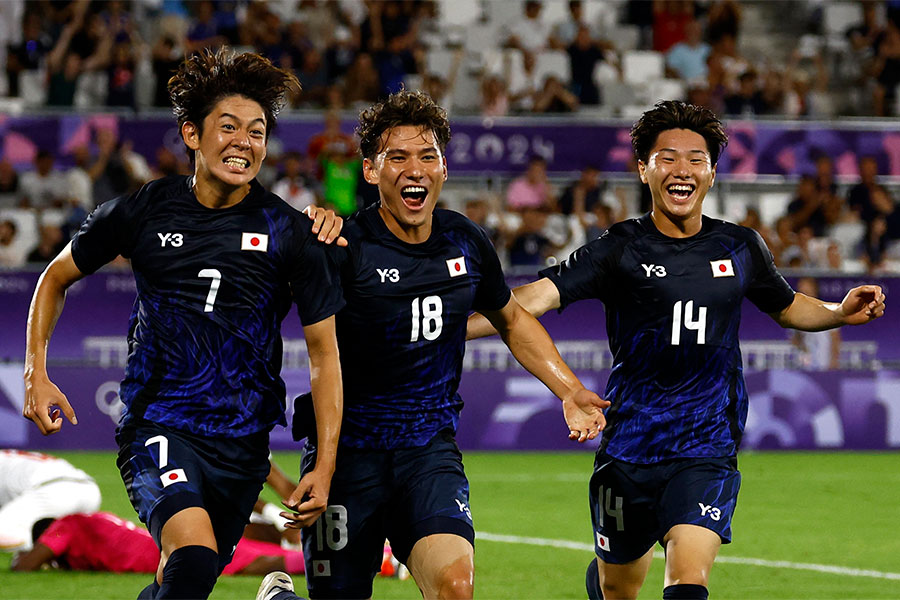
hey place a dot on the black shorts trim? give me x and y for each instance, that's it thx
(402, 547)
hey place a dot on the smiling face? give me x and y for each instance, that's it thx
(229, 151)
(410, 171)
(679, 172)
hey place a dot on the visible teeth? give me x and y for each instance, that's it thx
(414, 189)
(240, 162)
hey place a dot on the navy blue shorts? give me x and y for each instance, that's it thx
(166, 471)
(634, 506)
(402, 495)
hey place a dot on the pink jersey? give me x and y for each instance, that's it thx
(104, 542)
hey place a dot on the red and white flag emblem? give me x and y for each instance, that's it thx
(457, 266)
(722, 268)
(173, 476)
(321, 568)
(603, 542)
(254, 241)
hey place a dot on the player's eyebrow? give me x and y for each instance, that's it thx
(231, 116)
(673, 150)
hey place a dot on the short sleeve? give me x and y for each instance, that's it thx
(57, 537)
(315, 277)
(105, 234)
(583, 274)
(492, 293)
(768, 290)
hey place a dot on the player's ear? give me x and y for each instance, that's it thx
(713, 180)
(370, 173)
(190, 133)
(444, 160)
(642, 171)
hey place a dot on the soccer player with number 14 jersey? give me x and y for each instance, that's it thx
(672, 283)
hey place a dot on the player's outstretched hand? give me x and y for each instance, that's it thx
(326, 224)
(43, 404)
(308, 501)
(583, 412)
(863, 304)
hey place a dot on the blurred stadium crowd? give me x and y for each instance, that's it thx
(754, 59)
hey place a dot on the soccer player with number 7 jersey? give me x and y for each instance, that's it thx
(411, 275)
(218, 261)
(672, 283)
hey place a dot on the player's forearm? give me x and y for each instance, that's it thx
(811, 314)
(536, 297)
(327, 392)
(46, 307)
(531, 345)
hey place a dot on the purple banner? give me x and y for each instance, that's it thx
(502, 146)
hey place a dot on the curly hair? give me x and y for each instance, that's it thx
(674, 114)
(206, 77)
(401, 108)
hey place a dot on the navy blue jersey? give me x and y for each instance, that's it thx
(213, 286)
(402, 333)
(673, 307)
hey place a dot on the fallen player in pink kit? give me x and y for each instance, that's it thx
(102, 541)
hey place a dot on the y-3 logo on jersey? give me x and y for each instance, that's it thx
(392, 275)
(711, 511)
(463, 508)
(173, 239)
(658, 270)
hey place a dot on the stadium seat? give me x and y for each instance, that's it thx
(642, 66)
(624, 37)
(667, 89)
(553, 62)
(26, 227)
(772, 206)
(837, 17)
(32, 88)
(458, 12)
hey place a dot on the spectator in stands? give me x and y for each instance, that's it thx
(806, 84)
(398, 60)
(166, 58)
(754, 221)
(723, 19)
(784, 238)
(50, 243)
(340, 179)
(583, 194)
(9, 185)
(859, 198)
(771, 96)
(121, 74)
(564, 32)
(798, 255)
(44, 187)
(824, 177)
(687, 59)
(874, 244)
(532, 189)
(117, 169)
(65, 66)
(747, 101)
(168, 163)
(670, 21)
(340, 53)
(296, 186)
(478, 210)
(29, 54)
(361, 83)
(314, 75)
(529, 34)
(495, 98)
(728, 62)
(808, 206)
(584, 54)
(886, 69)
(554, 97)
(529, 245)
(204, 28)
(331, 140)
(11, 253)
(79, 184)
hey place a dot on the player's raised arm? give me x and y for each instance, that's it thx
(531, 345)
(861, 305)
(310, 498)
(536, 297)
(43, 400)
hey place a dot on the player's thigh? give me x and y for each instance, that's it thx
(622, 501)
(624, 580)
(443, 566)
(432, 496)
(690, 553)
(702, 492)
(343, 548)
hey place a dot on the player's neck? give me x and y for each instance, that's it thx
(676, 228)
(213, 193)
(411, 234)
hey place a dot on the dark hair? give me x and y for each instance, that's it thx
(674, 114)
(204, 78)
(401, 108)
(39, 527)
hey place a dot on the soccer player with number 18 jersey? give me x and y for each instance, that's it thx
(672, 283)
(217, 261)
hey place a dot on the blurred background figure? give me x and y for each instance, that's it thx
(818, 350)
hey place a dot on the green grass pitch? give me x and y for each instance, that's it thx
(808, 525)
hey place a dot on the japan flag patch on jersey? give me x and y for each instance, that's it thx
(602, 542)
(321, 568)
(457, 266)
(722, 268)
(173, 476)
(254, 241)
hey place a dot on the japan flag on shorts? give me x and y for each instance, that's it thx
(173, 476)
(603, 542)
(457, 266)
(722, 268)
(254, 241)
(321, 568)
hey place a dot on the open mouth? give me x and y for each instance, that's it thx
(237, 162)
(681, 191)
(414, 196)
